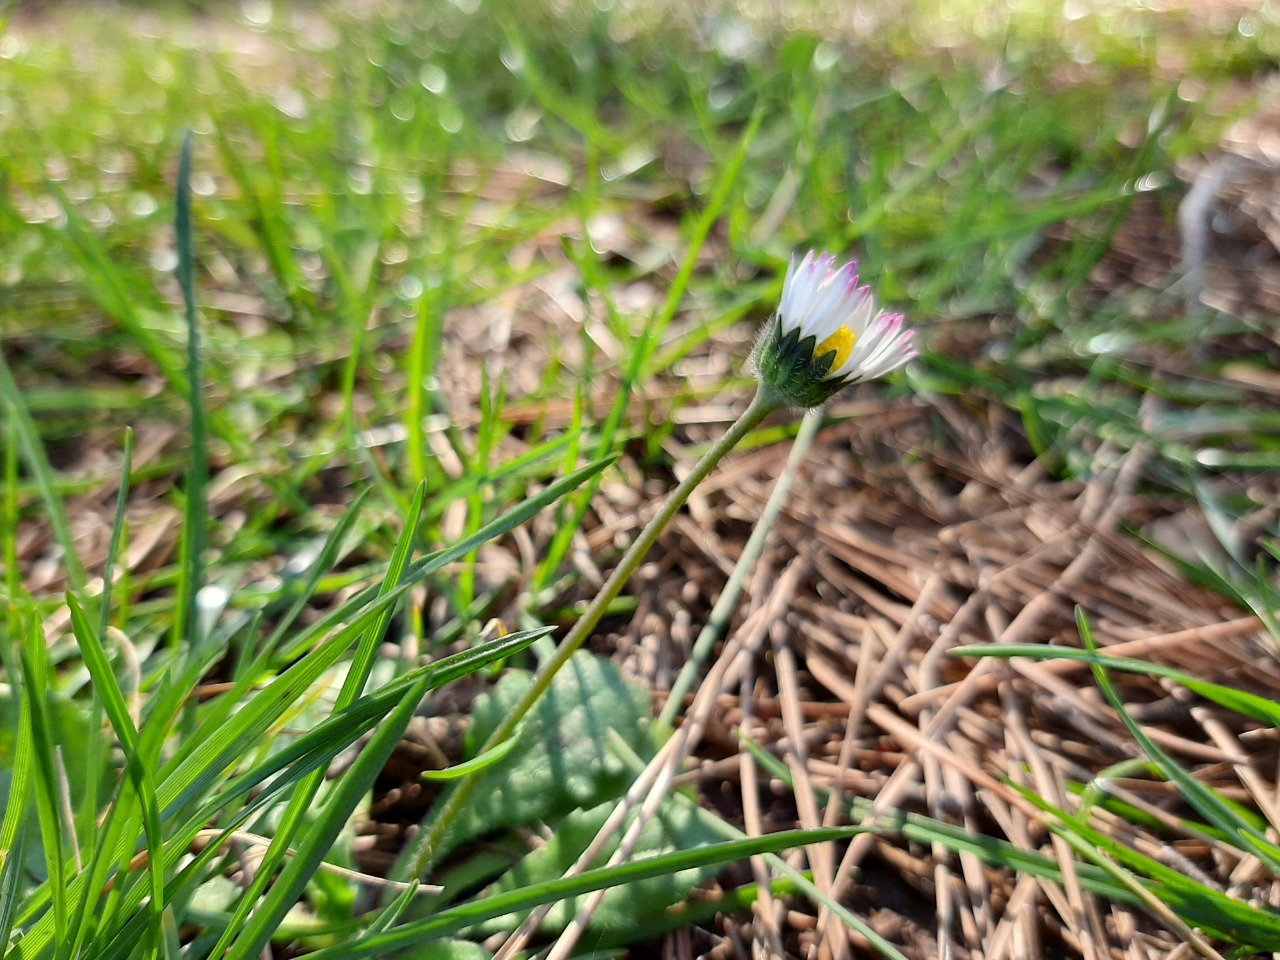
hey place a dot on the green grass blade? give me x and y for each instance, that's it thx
(317, 747)
(481, 762)
(106, 688)
(195, 518)
(460, 918)
(248, 672)
(25, 437)
(315, 750)
(187, 777)
(1207, 802)
(354, 785)
(1215, 912)
(90, 809)
(14, 825)
(323, 563)
(196, 771)
(35, 675)
(1240, 701)
(12, 855)
(393, 912)
(299, 807)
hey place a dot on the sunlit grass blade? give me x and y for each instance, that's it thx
(1240, 701)
(90, 808)
(1145, 877)
(322, 564)
(315, 748)
(313, 751)
(47, 778)
(16, 824)
(251, 670)
(459, 918)
(392, 912)
(351, 789)
(1206, 801)
(194, 772)
(185, 779)
(24, 436)
(927, 831)
(299, 806)
(1229, 822)
(106, 688)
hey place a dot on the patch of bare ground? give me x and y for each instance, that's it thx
(915, 531)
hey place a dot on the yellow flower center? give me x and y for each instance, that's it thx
(840, 343)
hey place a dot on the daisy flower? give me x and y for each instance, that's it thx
(828, 333)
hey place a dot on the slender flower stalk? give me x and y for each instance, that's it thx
(760, 407)
(827, 334)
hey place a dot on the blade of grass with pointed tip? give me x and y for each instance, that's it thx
(315, 750)
(1206, 801)
(320, 566)
(248, 674)
(1240, 701)
(108, 691)
(89, 808)
(13, 826)
(35, 672)
(1213, 911)
(393, 912)
(195, 515)
(25, 437)
(189, 775)
(476, 764)
(354, 785)
(459, 918)
(299, 806)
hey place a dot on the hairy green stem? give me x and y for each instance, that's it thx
(761, 406)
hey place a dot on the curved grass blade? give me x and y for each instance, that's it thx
(475, 764)
(461, 917)
(35, 667)
(299, 806)
(189, 776)
(1240, 701)
(1207, 802)
(355, 784)
(315, 750)
(13, 832)
(106, 688)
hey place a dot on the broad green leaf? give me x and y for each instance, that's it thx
(563, 762)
